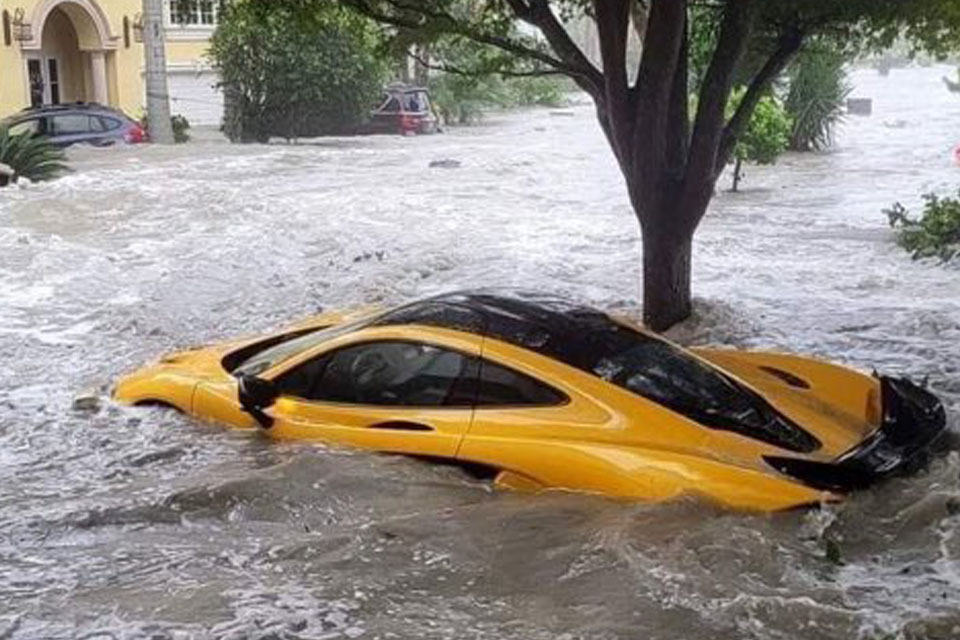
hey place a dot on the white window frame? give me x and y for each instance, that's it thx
(171, 25)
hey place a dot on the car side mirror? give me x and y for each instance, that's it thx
(257, 394)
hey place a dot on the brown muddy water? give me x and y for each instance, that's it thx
(122, 523)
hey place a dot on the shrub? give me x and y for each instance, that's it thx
(766, 135)
(179, 123)
(818, 92)
(29, 156)
(935, 234)
(294, 69)
(180, 126)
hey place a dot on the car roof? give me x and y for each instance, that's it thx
(548, 324)
(67, 107)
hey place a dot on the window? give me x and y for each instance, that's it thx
(35, 75)
(391, 105)
(31, 127)
(384, 373)
(500, 386)
(187, 13)
(70, 124)
(109, 124)
(207, 13)
(54, 78)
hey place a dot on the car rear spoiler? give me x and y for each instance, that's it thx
(913, 421)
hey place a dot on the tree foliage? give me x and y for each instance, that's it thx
(29, 156)
(765, 137)
(935, 234)
(294, 69)
(670, 159)
(462, 96)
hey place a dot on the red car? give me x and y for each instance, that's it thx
(405, 110)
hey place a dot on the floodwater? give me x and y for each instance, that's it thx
(136, 523)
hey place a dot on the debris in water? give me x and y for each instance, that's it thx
(87, 401)
(832, 551)
(446, 163)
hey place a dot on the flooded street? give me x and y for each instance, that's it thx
(138, 523)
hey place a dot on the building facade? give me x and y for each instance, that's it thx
(56, 51)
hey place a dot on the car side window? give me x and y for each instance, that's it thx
(500, 386)
(31, 127)
(392, 105)
(109, 124)
(391, 373)
(70, 124)
(96, 124)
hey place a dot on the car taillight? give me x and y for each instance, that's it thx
(134, 135)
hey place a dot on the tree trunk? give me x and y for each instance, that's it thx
(420, 69)
(737, 166)
(666, 277)
(155, 72)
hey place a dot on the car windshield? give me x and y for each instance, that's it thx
(267, 354)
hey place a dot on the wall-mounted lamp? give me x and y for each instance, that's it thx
(21, 28)
(138, 27)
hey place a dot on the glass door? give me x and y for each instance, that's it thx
(53, 81)
(37, 83)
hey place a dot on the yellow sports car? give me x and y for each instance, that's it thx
(545, 393)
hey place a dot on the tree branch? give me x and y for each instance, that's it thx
(652, 91)
(578, 69)
(700, 174)
(474, 73)
(539, 14)
(678, 127)
(613, 22)
(788, 45)
(455, 27)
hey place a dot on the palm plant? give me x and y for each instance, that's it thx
(818, 92)
(29, 156)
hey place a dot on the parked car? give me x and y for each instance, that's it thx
(72, 123)
(542, 392)
(405, 110)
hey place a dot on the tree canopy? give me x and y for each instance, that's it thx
(295, 69)
(670, 158)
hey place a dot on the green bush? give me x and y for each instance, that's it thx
(178, 122)
(815, 101)
(180, 126)
(295, 69)
(935, 234)
(29, 156)
(766, 136)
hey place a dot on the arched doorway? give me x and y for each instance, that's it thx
(67, 58)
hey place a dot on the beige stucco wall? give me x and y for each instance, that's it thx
(12, 87)
(96, 25)
(187, 52)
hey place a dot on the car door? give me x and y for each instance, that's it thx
(405, 396)
(538, 426)
(70, 128)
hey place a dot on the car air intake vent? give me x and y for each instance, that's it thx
(822, 475)
(786, 376)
